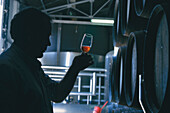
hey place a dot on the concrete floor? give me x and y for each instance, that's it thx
(74, 108)
(83, 108)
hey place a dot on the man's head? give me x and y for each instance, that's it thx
(30, 29)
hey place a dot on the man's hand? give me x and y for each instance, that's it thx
(82, 61)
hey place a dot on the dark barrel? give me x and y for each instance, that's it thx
(130, 22)
(115, 69)
(121, 75)
(156, 61)
(118, 38)
(118, 75)
(144, 8)
(110, 57)
(116, 27)
(134, 67)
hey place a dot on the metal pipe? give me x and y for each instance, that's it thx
(63, 73)
(91, 8)
(80, 93)
(79, 88)
(80, 17)
(91, 88)
(99, 91)
(67, 5)
(57, 10)
(80, 11)
(80, 74)
(56, 76)
(85, 86)
(52, 72)
(43, 4)
(56, 79)
(47, 4)
(140, 93)
(60, 67)
(94, 100)
(94, 83)
(88, 100)
(101, 7)
(58, 42)
(101, 94)
(54, 67)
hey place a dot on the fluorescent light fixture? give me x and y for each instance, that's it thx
(102, 21)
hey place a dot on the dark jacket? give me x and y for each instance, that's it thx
(24, 88)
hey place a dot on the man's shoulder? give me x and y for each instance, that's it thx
(5, 58)
(4, 61)
(7, 63)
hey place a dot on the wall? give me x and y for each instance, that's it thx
(71, 36)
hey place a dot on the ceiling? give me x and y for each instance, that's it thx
(73, 9)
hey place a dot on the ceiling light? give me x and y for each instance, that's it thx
(102, 21)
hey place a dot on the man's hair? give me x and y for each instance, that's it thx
(27, 22)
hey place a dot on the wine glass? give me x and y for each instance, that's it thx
(86, 42)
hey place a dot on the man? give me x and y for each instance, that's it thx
(24, 88)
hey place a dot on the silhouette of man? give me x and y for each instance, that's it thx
(24, 88)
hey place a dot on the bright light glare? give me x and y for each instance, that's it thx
(102, 21)
(1, 14)
(57, 110)
(68, 59)
(115, 51)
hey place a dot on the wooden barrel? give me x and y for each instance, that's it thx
(144, 8)
(110, 56)
(130, 22)
(116, 27)
(134, 67)
(118, 38)
(156, 61)
(116, 62)
(121, 75)
(117, 77)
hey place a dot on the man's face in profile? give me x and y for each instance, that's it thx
(42, 40)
